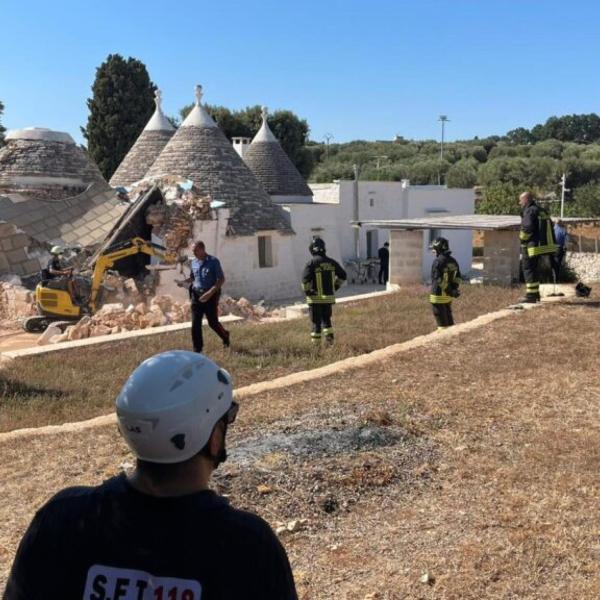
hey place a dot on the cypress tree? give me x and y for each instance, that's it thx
(2, 129)
(122, 102)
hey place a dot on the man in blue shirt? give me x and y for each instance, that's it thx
(206, 280)
(561, 237)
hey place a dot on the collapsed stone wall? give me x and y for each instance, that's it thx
(153, 312)
(128, 304)
(16, 303)
(15, 256)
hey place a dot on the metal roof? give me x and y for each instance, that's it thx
(482, 222)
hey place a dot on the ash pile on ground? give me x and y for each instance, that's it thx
(314, 444)
(307, 477)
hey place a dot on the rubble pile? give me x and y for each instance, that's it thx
(117, 317)
(173, 220)
(16, 303)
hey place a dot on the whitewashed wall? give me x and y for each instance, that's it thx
(329, 217)
(239, 259)
(395, 200)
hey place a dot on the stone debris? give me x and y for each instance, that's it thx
(173, 219)
(16, 303)
(116, 317)
(291, 527)
(127, 304)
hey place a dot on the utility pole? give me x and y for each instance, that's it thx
(563, 189)
(379, 158)
(356, 170)
(327, 137)
(443, 119)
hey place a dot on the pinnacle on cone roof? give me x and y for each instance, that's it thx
(158, 121)
(145, 150)
(198, 116)
(264, 133)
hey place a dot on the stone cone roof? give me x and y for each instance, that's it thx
(146, 148)
(200, 151)
(272, 166)
(38, 159)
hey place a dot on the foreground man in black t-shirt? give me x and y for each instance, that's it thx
(160, 533)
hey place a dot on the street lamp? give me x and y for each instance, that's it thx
(563, 189)
(443, 119)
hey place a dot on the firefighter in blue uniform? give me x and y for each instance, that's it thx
(445, 280)
(537, 239)
(321, 278)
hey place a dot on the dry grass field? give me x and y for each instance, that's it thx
(466, 469)
(82, 383)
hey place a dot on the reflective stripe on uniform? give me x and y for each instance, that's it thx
(538, 250)
(439, 299)
(533, 287)
(327, 331)
(524, 236)
(320, 299)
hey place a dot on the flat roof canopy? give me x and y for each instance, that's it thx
(483, 222)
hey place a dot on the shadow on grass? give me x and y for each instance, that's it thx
(19, 389)
(582, 302)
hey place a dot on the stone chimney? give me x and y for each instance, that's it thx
(240, 145)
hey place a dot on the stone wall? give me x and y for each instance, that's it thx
(406, 257)
(501, 257)
(14, 256)
(585, 264)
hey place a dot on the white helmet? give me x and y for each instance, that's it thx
(170, 404)
(57, 250)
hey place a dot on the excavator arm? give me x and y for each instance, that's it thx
(111, 255)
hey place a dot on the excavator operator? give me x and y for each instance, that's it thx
(59, 277)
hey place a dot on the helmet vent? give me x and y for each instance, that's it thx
(175, 385)
(222, 377)
(178, 441)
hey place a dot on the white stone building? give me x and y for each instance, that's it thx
(248, 232)
(333, 210)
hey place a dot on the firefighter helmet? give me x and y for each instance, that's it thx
(440, 245)
(317, 246)
(57, 250)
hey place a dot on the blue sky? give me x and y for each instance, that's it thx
(358, 69)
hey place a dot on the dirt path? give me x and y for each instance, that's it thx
(17, 340)
(471, 463)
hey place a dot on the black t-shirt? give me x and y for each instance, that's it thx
(113, 542)
(384, 256)
(54, 264)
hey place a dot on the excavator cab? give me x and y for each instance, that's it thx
(53, 304)
(57, 305)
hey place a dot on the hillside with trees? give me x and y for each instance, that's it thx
(503, 165)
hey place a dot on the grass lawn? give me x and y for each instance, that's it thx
(482, 471)
(82, 383)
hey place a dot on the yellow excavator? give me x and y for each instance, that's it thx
(57, 305)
